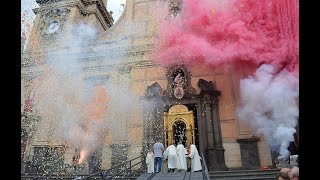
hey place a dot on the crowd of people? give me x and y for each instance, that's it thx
(288, 173)
(174, 158)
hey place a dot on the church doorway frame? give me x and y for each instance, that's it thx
(206, 103)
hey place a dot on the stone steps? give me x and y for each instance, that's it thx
(71, 177)
(172, 176)
(244, 175)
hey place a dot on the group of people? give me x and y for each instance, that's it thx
(288, 173)
(177, 157)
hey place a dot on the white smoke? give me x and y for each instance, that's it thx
(62, 94)
(270, 105)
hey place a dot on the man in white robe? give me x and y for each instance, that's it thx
(171, 154)
(150, 162)
(195, 159)
(181, 152)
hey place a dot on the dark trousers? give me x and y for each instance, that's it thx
(157, 164)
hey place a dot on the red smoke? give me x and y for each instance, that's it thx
(261, 32)
(97, 106)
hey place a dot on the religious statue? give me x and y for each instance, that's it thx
(179, 79)
(178, 83)
(181, 136)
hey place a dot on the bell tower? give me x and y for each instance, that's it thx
(55, 19)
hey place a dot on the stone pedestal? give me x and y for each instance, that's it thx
(215, 160)
(249, 153)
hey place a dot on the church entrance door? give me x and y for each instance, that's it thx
(179, 126)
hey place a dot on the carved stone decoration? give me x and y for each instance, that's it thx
(208, 88)
(175, 7)
(52, 22)
(179, 82)
(178, 92)
(153, 91)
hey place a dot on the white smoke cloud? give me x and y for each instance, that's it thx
(270, 104)
(62, 94)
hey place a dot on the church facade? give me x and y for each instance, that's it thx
(196, 105)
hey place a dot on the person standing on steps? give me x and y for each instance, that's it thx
(158, 149)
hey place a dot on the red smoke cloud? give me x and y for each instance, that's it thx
(261, 32)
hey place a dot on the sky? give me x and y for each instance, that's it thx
(116, 8)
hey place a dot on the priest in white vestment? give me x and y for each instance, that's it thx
(150, 162)
(195, 159)
(171, 154)
(181, 152)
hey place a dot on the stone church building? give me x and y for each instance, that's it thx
(196, 105)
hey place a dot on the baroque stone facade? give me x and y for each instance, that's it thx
(124, 51)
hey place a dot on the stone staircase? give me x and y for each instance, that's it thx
(172, 176)
(215, 175)
(66, 177)
(269, 174)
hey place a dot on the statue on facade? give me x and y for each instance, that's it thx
(179, 85)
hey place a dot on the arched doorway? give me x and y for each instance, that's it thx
(179, 125)
(179, 132)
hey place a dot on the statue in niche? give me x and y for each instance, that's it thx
(178, 84)
(181, 136)
(179, 79)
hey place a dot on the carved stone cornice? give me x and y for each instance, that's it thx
(40, 2)
(86, 7)
(102, 13)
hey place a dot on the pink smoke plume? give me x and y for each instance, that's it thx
(261, 32)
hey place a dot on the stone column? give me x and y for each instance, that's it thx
(218, 145)
(153, 116)
(211, 155)
(215, 151)
(210, 136)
